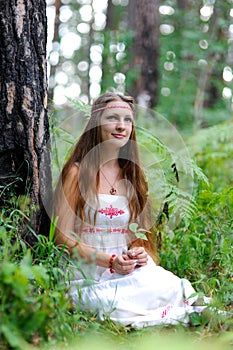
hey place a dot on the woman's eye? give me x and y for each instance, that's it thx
(115, 118)
(111, 117)
(128, 120)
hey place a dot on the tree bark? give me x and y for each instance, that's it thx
(146, 51)
(24, 138)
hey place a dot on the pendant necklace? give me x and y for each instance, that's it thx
(112, 190)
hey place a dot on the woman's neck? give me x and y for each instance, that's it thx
(109, 159)
(109, 164)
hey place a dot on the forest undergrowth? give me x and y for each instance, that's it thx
(34, 309)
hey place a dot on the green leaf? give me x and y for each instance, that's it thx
(13, 337)
(133, 227)
(142, 230)
(141, 235)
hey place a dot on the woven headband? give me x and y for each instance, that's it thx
(114, 106)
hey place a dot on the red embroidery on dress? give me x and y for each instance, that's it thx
(166, 310)
(107, 230)
(111, 211)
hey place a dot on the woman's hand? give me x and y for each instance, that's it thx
(139, 255)
(123, 265)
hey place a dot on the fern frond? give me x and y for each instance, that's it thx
(81, 106)
(171, 175)
(212, 139)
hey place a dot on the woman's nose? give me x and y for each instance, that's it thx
(120, 124)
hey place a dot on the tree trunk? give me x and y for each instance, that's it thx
(209, 90)
(113, 18)
(146, 51)
(58, 5)
(24, 138)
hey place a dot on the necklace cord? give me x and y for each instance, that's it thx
(112, 189)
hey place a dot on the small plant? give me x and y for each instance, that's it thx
(139, 232)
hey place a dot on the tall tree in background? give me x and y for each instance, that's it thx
(111, 27)
(144, 17)
(116, 53)
(215, 43)
(56, 39)
(24, 138)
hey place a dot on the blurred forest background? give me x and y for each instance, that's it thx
(175, 56)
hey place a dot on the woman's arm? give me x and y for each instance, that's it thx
(65, 203)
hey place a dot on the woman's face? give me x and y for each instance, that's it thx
(117, 123)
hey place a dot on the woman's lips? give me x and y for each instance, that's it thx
(118, 136)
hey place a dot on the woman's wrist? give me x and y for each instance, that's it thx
(110, 264)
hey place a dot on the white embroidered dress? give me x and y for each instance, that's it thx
(148, 296)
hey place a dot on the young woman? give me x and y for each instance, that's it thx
(102, 189)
